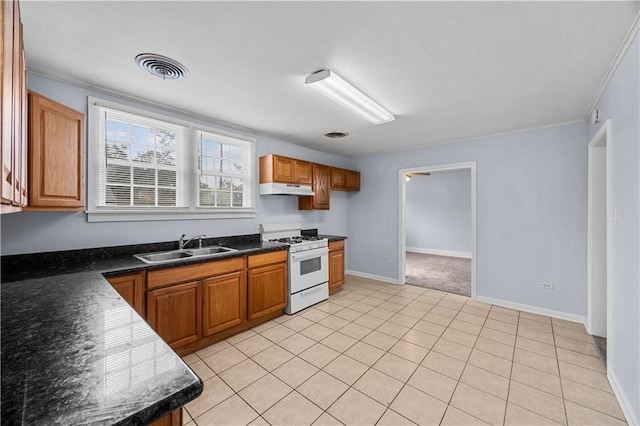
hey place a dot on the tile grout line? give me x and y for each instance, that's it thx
(466, 363)
(515, 342)
(555, 349)
(360, 296)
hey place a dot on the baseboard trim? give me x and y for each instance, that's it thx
(533, 309)
(625, 405)
(436, 252)
(373, 277)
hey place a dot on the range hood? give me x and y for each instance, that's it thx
(274, 188)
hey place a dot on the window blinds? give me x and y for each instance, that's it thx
(139, 161)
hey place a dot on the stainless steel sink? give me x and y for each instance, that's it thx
(173, 255)
(210, 250)
(163, 256)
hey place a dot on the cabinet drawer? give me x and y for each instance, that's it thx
(336, 245)
(268, 258)
(179, 274)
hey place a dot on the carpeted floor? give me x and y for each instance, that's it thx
(450, 274)
(601, 344)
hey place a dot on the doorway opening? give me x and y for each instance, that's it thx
(599, 239)
(437, 231)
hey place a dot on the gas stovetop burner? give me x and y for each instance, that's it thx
(287, 240)
(295, 240)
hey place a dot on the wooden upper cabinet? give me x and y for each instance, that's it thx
(338, 178)
(352, 180)
(345, 180)
(224, 302)
(7, 10)
(13, 109)
(276, 168)
(320, 186)
(175, 313)
(56, 142)
(303, 172)
(131, 288)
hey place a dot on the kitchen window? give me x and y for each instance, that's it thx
(145, 166)
(223, 168)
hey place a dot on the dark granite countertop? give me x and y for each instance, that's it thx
(74, 352)
(333, 237)
(119, 259)
(314, 233)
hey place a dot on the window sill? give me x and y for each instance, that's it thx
(137, 216)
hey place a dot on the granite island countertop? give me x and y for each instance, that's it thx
(75, 352)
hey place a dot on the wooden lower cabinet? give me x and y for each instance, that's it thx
(196, 305)
(267, 289)
(172, 419)
(336, 265)
(175, 313)
(224, 302)
(131, 288)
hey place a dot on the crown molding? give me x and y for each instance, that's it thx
(189, 115)
(624, 47)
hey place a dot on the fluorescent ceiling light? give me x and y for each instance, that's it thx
(341, 92)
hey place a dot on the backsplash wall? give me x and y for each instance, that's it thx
(30, 232)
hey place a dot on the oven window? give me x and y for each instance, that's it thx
(311, 265)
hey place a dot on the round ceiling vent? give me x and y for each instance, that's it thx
(161, 66)
(336, 134)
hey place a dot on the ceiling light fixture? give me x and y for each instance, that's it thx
(338, 90)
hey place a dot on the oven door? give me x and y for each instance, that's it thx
(308, 268)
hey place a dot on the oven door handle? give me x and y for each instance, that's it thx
(310, 254)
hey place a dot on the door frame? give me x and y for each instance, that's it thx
(602, 138)
(402, 243)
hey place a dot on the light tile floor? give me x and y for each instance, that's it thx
(378, 353)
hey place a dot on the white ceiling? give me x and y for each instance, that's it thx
(447, 70)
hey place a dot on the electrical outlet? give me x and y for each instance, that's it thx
(387, 260)
(548, 286)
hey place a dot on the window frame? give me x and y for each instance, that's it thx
(187, 169)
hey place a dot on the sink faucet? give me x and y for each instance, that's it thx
(182, 243)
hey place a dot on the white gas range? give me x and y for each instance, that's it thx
(308, 264)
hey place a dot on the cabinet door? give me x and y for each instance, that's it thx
(19, 138)
(131, 288)
(320, 201)
(7, 8)
(267, 289)
(284, 169)
(56, 141)
(174, 418)
(336, 269)
(338, 178)
(175, 313)
(24, 114)
(352, 180)
(224, 302)
(303, 172)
